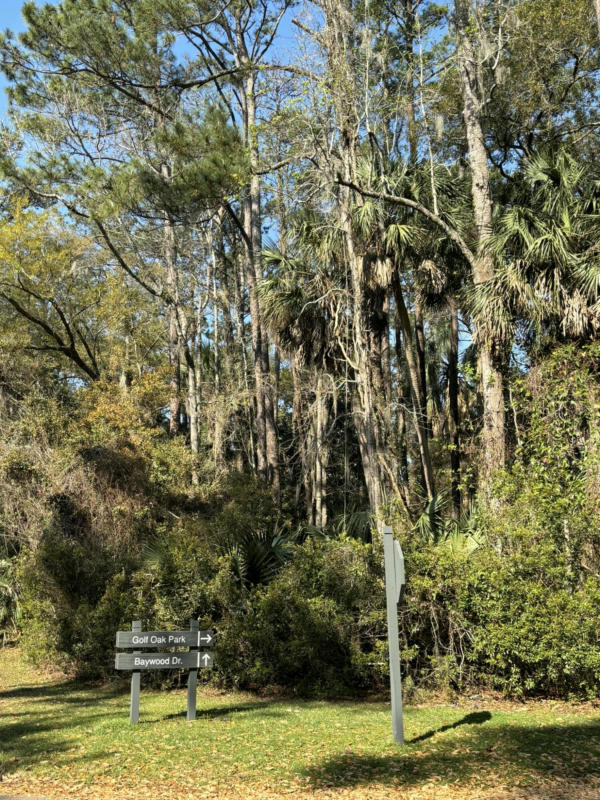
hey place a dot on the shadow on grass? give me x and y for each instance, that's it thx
(485, 752)
(45, 722)
(265, 707)
(32, 729)
(35, 730)
(471, 719)
(70, 692)
(39, 737)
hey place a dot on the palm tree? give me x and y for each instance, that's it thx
(547, 244)
(299, 304)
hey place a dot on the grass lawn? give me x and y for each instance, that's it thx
(61, 739)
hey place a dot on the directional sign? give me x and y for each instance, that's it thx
(195, 659)
(135, 661)
(156, 639)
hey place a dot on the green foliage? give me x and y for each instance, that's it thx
(314, 629)
(547, 272)
(535, 588)
(507, 597)
(9, 600)
(534, 633)
(208, 163)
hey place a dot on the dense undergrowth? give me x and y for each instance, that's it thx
(100, 528)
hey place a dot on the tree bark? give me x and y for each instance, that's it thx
(267, 447)
(489, 348)
(413, 372)
(220, 403)
(454, 416)
(299, 427)
(321, 461)
(192, 402)
(421, 362)
(174, 344)
(245, 368)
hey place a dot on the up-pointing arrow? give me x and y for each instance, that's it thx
(207, 659)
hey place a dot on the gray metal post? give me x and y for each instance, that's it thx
(192, 679)
(134, 706)
(394, 580)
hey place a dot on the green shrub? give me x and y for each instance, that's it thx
(314, 630)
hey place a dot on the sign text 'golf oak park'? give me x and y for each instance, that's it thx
(137, 661)
(164, 639)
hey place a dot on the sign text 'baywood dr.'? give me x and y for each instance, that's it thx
(164, 661)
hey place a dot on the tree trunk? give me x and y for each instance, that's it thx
(241, 340)
(125, 371)
(489, 348)
(453, 416)
(299, 427)
(219, 401)
(267, 448)
(402, 432)
(368, 455)
(192, 404)
(413, 373)
(174, 344)
(321, 461)
(421, 362)
(409, 38)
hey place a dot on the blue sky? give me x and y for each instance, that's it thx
(10, 17)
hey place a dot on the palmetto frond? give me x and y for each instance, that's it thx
(397, 236)
(546, 249)
(282, 293)
(366, 216)
(355, 524)
(495, 303)
(436, 526)
(291, 299)
(587, 274)
(256, 557)
(432, 523)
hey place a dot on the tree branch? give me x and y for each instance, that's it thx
(452, 233)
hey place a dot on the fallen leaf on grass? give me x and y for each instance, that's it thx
(110, 789)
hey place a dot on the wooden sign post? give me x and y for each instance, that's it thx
(138, 661)
(134, 704)
(192, 678)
